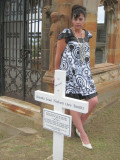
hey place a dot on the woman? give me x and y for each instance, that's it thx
(73, 56)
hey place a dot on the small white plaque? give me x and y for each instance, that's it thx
(57, 122)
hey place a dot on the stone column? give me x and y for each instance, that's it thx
(45, 48)
(113, 29)
(117, 33)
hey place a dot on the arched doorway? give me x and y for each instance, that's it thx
(22, 26)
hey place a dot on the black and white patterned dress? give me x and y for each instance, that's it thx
(79, 81)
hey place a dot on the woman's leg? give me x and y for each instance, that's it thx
(92, 104)
(78, 124)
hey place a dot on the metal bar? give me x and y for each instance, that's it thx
(2, 50)
(5, 38)
(34, 31)
(31, 35)
(23, 58)
(10, 37)
(29, 38)
(16, 32)
(38, 35)
(13, 33)
(20, 45)
(27, 20)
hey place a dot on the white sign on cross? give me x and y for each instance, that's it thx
(63, 125)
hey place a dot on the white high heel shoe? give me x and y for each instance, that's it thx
(77, 132)
(88, 146)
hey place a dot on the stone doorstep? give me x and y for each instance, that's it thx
(20, 103)
(21, 107)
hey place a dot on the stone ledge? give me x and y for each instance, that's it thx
(99, 73)
(99, 68)
(104, 67)
(106, 76)
(107, 85)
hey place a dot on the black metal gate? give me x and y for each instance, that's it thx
(21, 48)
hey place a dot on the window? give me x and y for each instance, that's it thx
(100, 54)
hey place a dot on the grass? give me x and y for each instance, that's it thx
(103, 131)
(3, 135)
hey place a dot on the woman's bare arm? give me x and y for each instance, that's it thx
(61, 44)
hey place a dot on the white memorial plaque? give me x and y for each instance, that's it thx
(57, 122)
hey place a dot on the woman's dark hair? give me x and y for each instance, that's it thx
(77, 10)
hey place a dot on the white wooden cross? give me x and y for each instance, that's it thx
(60, 103)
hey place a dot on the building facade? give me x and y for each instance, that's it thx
(104, 46)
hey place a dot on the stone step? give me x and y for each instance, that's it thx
(21, 107)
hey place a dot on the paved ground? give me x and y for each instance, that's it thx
(103, 128)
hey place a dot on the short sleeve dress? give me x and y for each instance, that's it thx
(79, 81)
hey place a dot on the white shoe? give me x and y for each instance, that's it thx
(77, 132)
(88, 146)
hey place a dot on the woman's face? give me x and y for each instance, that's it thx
(78, 22)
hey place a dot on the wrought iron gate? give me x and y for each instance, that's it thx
(22, 23)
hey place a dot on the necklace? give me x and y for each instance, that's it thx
(82, 47)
